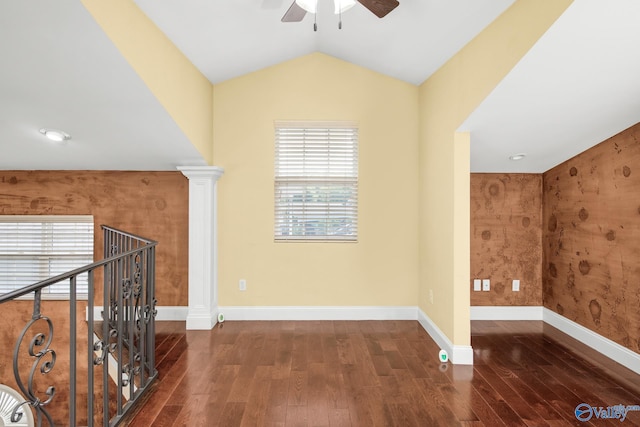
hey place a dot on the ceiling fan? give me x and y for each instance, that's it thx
(299, 8)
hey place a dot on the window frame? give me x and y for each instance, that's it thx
(324, 174)
(47, 258)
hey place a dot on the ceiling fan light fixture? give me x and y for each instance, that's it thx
(311, 6)
(342, 6)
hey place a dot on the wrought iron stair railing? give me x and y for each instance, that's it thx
(119, 345)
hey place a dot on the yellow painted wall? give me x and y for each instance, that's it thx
(182, 90)
(414, 166)
(446, 100)
(381, 269)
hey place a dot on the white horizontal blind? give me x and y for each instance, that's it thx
(316, 182)
(36, 247)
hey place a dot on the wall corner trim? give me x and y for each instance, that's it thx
(506, 313)
(603, 345)
(458, 354)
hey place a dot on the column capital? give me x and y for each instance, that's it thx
(190, 172)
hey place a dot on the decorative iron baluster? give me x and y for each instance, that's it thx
(105, 347)
(127, 337)
(99, 346)
(45, 360)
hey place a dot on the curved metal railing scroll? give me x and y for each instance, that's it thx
(39, 348)
(120, 339)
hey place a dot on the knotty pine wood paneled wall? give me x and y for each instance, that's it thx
(506, 237)
(591, 226)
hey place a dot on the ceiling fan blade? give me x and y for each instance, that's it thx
(294, 14)
(380, 8)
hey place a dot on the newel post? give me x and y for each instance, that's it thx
(203, 251)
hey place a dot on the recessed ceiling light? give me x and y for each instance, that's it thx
(518, 156)
(55, 135)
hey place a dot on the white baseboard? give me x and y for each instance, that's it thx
(603, 345)
(611, 349)
(462, 355)
(165, 313)
(506, 313)
(171, 313)
(318, 313)
(458, 354)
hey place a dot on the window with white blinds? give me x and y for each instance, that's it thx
(36, 247)
(316, 181)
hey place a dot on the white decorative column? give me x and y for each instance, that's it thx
(203, 250)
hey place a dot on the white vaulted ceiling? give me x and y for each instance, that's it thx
(225, 39)
(574, 88)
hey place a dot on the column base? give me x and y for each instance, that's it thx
(201, 322)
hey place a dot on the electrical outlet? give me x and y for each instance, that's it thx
(477, 286)
(431, 296)
(486, 285)
(242, 285)
(515, 285)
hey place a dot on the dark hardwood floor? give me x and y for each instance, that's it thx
(377, 373)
